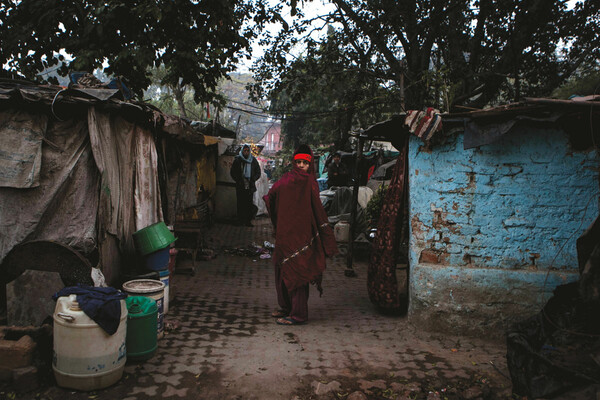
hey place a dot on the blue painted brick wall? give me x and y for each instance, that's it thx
(487, 225)
(510, 204)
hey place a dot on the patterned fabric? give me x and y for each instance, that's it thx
(305, 248)
(423, 123)
(381, 279)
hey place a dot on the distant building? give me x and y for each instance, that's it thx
(272, 140)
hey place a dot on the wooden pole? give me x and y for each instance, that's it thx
(402, 100)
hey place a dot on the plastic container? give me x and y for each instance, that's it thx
(152, 238)
(341, 231)
(154, 290)
(141, 328)
(165, 277)
(85, 356)
(159, 260)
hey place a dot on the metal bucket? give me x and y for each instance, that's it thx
(165, 277)
(153, 289)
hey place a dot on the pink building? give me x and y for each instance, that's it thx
(272, 140)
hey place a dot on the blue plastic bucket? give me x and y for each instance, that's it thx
(159, 260)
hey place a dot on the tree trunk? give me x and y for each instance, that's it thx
(179, 92)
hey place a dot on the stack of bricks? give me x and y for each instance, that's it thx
(16, 358)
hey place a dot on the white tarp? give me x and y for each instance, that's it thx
(113, 147)
(262, 188)
(21, 148)
(64, 205)
(98, 184)
(148, 208)
(126, 157)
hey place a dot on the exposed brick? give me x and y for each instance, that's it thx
(16, 354)
(429, 257)
(510, 208)
(500, 199)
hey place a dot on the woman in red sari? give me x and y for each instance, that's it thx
(303, 237)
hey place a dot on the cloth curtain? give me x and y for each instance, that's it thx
(147, 201)
(382, 284)
(126, 157)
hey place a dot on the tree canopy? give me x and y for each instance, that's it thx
(378, 57)
(457, 54)
(197, 41)
(320, 94)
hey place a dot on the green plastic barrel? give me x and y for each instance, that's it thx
(141, 328)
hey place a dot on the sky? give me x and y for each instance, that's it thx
(310, 9)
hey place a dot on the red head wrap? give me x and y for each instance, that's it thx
(302, 156)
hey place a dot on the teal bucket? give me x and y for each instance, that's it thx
(141, 340)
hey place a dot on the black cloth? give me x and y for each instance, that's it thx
(102, 304)
(337, 174)
(237, 173)
(246, 210)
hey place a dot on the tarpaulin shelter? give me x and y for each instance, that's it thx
(84, 168)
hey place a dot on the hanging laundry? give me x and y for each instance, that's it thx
(424, 123)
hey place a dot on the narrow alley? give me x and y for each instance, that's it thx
(223, 343)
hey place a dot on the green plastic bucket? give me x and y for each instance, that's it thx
(141, 328)
(153, 238)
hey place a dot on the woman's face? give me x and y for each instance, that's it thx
(303, 165)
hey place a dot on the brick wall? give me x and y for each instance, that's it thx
(487, 224)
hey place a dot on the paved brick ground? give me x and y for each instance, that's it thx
(228, 347)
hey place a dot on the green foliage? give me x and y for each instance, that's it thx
(585, 84)
(280, 170)
(375, 205)
(197, 42)
(283, 164)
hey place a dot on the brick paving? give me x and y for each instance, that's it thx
(227, 345)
